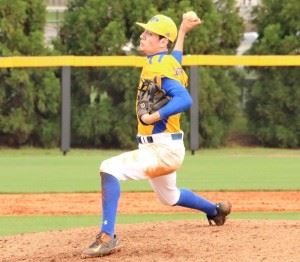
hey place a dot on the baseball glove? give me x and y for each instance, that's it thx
(150, 98)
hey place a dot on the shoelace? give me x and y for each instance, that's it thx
(99, 238)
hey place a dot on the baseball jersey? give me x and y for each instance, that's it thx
(168, 74)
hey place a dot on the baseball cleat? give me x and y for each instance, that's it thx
(223, 210)
(103, 245)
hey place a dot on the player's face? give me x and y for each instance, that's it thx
(150, 43)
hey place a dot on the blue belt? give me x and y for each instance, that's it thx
(149, 139)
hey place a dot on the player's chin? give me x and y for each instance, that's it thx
(141, 49)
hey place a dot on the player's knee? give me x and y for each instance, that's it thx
(166, 202)
(102, 168)
(106, 167)
(169, 199)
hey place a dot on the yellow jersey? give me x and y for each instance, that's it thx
(156, 68)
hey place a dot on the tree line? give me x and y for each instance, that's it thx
(103, 100)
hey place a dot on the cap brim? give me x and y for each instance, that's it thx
(142, 25)
(147, 27)
(150, 29)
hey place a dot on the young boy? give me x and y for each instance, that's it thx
(161, 149)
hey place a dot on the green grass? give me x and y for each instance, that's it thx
(12, 225)
(37, 170)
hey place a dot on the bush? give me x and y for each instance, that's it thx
(274, 109)
(218, 96)
(29, 98)
(273, 104)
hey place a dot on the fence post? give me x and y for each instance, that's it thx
(66, 109)
(194, 112)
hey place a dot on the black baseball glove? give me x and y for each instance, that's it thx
(150, 98)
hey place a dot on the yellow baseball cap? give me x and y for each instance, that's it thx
(161, 25)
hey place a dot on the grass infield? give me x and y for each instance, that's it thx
(12, 225)
(39, 170)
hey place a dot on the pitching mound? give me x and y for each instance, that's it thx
(238, 240)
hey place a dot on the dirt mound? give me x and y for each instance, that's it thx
(238, 240)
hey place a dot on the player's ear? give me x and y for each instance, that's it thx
(164, 42)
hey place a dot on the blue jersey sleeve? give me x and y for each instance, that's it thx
(177, 55)
(180, 98)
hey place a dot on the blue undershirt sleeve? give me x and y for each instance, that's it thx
(180, 98)
(177, 55)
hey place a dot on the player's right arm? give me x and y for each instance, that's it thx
(181, 99)
(185, 27)
(180, 102)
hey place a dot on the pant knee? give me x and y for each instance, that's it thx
(169, 199)
(104, 166)
(107, 167)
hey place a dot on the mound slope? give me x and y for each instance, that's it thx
(238, 240)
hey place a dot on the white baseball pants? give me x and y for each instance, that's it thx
(156, 161)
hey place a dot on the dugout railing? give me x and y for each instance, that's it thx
(192, 61)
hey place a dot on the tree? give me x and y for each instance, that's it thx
(273, 104)
(29, 98)
(103, 27)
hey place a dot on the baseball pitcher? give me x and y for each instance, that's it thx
(161, 97)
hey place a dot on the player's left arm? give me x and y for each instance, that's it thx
(180, 101)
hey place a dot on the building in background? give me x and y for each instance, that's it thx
(56, 2)
(250, 35)
(248, 2)
(245, 9)
(55, 10)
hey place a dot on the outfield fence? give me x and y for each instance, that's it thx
(138, 61)
(191, 61)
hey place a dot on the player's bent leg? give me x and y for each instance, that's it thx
(191, 200)
(166, 189)
(214, 212)
(168, 193)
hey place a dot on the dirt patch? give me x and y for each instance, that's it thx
(194, 240)
(238, 240)
(137, 203)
